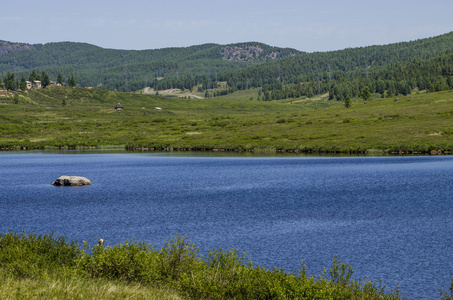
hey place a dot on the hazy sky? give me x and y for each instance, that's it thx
(316, 25)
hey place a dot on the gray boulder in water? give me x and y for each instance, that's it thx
(71, 181)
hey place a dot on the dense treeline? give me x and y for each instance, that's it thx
(279, 73)
(349, 62)
(12, 83)
(433, 74)
(389, 70)
(394, 68)
(130, 69)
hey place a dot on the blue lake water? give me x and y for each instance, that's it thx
(388, 217)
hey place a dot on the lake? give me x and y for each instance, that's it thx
(388, 217)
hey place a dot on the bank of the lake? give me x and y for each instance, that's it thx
(396, 150)
(48, 266)
(388, 217)
(417, 123)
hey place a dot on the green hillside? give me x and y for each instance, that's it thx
(77, 117)
(110, 68)
(280, 73)
(251, 97)
(396, 68)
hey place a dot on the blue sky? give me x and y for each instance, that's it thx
(316, 25)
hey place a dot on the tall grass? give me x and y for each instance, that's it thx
(54, 287)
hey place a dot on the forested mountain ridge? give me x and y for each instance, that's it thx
(347, 63)
(279, 72)
(93, 65)
(388, 70)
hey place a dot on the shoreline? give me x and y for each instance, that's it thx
(315, 151)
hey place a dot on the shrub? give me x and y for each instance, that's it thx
(125, 261)
(177, 257)
(222, 274)
(347, 120)
(136, 261)
(29, 256)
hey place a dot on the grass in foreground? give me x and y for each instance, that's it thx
(78, 288)
(46, 267)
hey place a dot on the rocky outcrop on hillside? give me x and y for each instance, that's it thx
(247, 53)
(7, 47)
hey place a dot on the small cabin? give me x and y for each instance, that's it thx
(119, 107)
(37, 84)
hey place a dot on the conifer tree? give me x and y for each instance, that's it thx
(347, 101)
(390, 93)
(72, 81)
(23, 83)
(10, 81)
(44, 79)
(33, 76)
(366, 94)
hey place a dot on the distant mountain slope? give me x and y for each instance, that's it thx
(8, 47)
(280, 72)
(345, 63)
(93, 65)
(398, 67)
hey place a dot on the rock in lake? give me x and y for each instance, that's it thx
(71, 181)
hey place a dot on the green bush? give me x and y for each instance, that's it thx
(347, 120)
(23, 255)
(125, 261)
(222, 274)
(178, 256)
(230, 276)
(136, 261)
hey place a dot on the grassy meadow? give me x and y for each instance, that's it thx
(77, 117)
